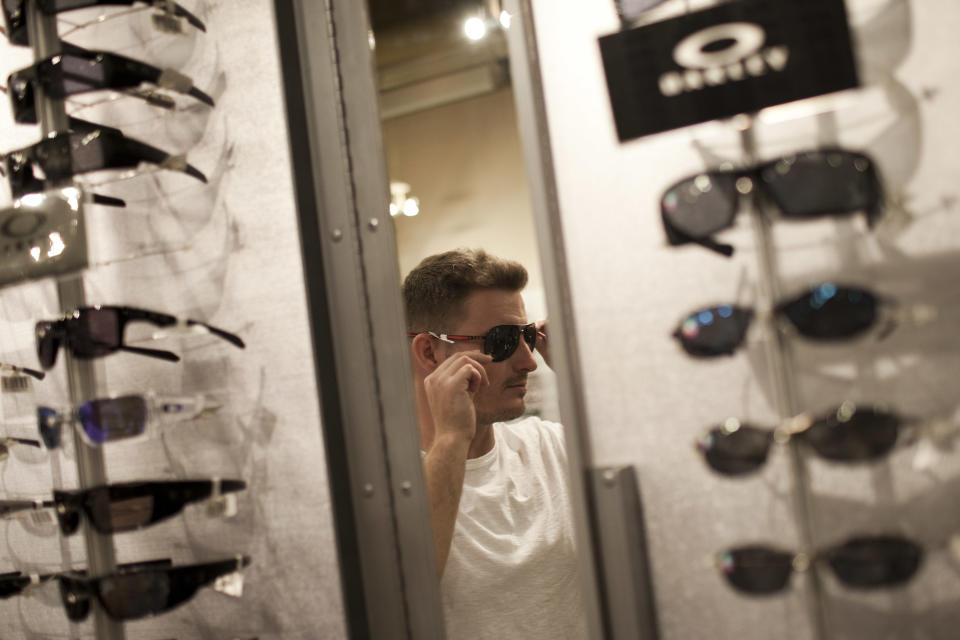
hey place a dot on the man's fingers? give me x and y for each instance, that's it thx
(472, 372)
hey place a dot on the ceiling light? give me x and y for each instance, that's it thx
(504, 19)
(475, 28)
(401, 202)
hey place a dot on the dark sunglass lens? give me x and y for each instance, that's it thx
(501, 341)
(130, 513)
(875, 561)
(113, 419)
(713, 332)
(128, 596)
(76, 600)
(757, 569)
(735, 452)
(50, 426)
(68, 513)
(831, 312)
(821, 182)
(96, 332)
(530, 336)
(117, 509)
(48, 343)
(700, 206)
(851, 434)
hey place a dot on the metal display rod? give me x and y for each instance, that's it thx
(91, 471)
(779, 356)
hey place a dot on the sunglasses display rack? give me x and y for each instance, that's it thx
(781, 369)
(69, 146)
(44, 41)
(845, 433)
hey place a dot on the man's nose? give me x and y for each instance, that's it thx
(522, 359)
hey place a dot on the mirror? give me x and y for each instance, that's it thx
(504, 544)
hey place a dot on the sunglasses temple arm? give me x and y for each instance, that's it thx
(717, 247)
(153, 353)
(134, 149)
(226, 335)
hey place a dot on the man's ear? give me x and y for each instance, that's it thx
(424, 353)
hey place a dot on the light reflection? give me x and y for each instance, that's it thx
(475, 28)
(690, 327)
(703, 183)
(822, 294)
(56, 245)
(30, 200)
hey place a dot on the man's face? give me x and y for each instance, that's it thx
(502, 399)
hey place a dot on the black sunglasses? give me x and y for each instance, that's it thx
(15, 20)
(103, 420)
(16, 582)
(846, 434)
(500, 342)
(93, 332)
(864, 562)
(90, 148)
(825, 312)
(142, 591)
(116, 508)
(803, 186)
(76, 70)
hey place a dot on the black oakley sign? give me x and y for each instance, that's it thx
(733, 58)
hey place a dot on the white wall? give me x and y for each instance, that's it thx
(226, 253)
(648, 402)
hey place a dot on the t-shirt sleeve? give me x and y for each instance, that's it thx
(553, 440)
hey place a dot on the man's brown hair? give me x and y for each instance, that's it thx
(434, 292)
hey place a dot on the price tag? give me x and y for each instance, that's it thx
(230, 584)
(222, 507)
(15, 384)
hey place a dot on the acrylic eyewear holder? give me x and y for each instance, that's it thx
(81, 379)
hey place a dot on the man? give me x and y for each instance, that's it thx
(498, 493)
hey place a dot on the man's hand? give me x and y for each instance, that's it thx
(543, 346)
(450, 392)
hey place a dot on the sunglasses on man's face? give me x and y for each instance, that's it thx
(67, 154)
(845, 434)
(123, 507)
(500, 342)
(826, 312)
(802, 186)
(143, 591)
(864, 562)
(93, 332)
(15, 20)
(104, 420)
(76, 70)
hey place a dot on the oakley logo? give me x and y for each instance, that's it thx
(721, 54)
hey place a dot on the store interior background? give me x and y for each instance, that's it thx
(450, 134)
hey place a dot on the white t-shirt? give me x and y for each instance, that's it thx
(511, 572)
